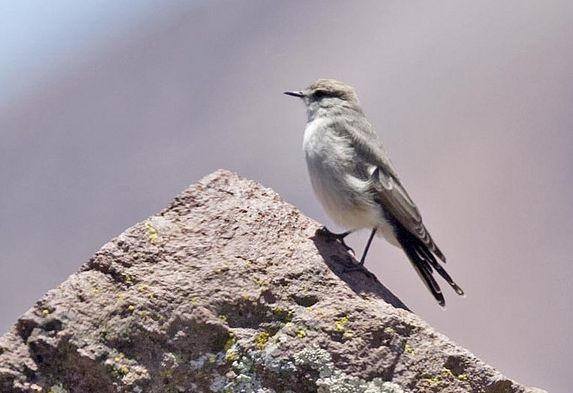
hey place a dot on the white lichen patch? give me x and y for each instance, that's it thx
(314, 357)
(245, 378)
(169, 361)
(58, 389)
(332, 380)
(246, 381)
(207, 360)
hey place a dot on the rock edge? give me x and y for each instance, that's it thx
(228, 289)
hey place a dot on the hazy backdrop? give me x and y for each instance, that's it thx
(108, 110)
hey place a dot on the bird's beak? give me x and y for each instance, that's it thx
(299, 94)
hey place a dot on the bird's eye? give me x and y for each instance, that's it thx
(319, 94)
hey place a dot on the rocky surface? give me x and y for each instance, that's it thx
(229, 290)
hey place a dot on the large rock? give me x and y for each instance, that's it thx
(229, 290)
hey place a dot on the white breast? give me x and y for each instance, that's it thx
(342, 194)
(329, 159)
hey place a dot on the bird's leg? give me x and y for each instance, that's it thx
(324, 231)
(363, 259)
(350, 266)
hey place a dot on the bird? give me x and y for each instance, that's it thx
(356, 183)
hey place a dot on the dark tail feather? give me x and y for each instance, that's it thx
(437, 251)
(425, 272)
(424, 262)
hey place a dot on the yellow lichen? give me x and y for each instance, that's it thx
(408, 348)
(389, 330)
(223, 318)
(152, 233)
(432, 380)
(119, 369)
(131, 308)
(45, 312)
(231, 356)
(340, 324)
(283, 314)
(261, 340)
(195, 300)
(128, 279)
(122, 369)
(301, 333)
(229, 343)
(166, 374)
(463, 377)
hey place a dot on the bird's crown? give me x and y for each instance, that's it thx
(331, 88)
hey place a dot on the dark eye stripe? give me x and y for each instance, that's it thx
(320, 93)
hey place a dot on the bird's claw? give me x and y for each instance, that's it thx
(339, 237)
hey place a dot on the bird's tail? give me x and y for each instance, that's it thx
(424, 262)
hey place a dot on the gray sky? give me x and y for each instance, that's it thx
(109, 111)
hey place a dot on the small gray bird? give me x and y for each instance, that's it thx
(356, 183)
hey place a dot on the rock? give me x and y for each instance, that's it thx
(229, 290)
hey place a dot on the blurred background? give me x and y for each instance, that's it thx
(108, 109)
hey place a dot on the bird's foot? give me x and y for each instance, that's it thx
(349, 265)
(339, 237)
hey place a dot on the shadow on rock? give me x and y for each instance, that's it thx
(346, 267)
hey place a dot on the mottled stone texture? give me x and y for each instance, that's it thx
(229, 289)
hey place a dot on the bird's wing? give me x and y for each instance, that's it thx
(388, 189)
(390, 193)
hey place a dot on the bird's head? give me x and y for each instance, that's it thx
(325, 94)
